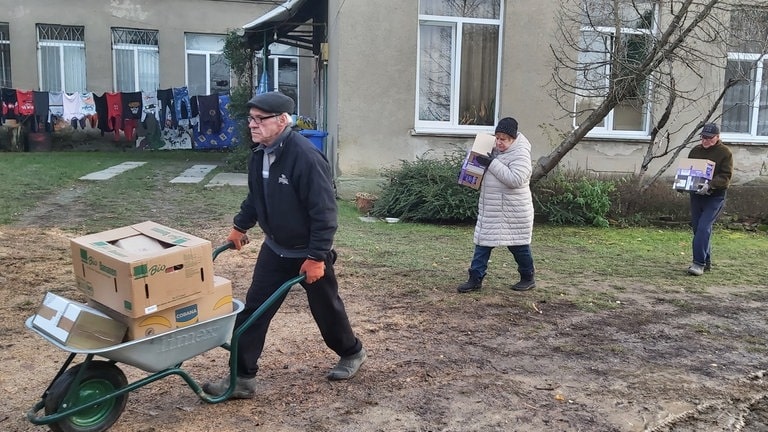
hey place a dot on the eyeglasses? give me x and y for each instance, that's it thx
(259, 120)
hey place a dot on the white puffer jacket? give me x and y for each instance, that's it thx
(505, 209)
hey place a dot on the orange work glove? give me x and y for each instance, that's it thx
(237, 238)
(313, 269)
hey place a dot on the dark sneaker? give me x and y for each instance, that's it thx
(524, 285)
(348, 366)
(707, 267)
(245, 388)
(696, 269)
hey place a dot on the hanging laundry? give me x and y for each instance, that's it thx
(131, 113)
(9, 100)
(182, 105)
(25, 104)
(149, 107)
(40, 122)
(210, 116)
(88, 107)
(102, 114)
(166, 109)
(115, 113)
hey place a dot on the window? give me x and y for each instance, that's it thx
(458, 65)
(135, 59)
(283, 63)
(61, 57)
(745, 106)
(207, 69)
(5, 56)
(598, 36)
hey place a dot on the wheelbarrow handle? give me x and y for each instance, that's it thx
(226, 246)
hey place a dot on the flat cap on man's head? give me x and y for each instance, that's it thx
(272, 102)
(709, 130)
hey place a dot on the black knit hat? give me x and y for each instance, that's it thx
(272, 102)
(507, 125)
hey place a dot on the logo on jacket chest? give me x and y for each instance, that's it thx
(282, 179)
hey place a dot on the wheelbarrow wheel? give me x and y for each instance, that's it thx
(99, 379)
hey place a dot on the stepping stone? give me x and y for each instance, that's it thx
(112, 171)
(195, 174)
(231, 179)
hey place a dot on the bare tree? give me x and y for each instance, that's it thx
(618, 56)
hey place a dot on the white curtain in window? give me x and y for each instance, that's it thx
(74, 68)
(435, 72)
(124, 73)
(148, 69)
(737, 110)
(50, 68)
(479, 57)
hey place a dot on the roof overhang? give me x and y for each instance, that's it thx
(298, 23)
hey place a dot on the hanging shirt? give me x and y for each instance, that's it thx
(25, 102)
(72, 106)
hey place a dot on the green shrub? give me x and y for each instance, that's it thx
(426, 190)
(237, 160)
(573, 200)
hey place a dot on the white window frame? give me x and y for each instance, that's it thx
(281, 52)
(135, 48)
(60, 45)
(606, 130)
(207, 54)
(456, 24)
(5, 57)
(759, 62)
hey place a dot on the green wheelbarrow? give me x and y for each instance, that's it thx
(90, 396)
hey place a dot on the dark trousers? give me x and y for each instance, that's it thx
(522, 254)
(705, 210)
(270, 272)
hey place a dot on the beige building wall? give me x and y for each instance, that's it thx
(372, 85)
(172, 18)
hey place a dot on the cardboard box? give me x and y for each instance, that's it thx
(77, 325)
(472, 172)
(141, 278)
(692, 173)
(214, 304)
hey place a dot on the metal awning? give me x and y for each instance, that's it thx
(298, 23)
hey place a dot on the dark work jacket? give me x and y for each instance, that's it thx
(299, 211)
(721, 155)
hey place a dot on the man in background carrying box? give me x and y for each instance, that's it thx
(707, 195)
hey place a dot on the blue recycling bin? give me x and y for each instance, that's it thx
(316, 136)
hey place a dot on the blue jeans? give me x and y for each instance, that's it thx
(704, 212)
(522, 255)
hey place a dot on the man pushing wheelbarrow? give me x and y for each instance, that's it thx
(291, 198)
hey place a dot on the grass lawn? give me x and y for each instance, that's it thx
(568, 259)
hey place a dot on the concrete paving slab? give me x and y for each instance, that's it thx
(194, 174)
(112, 171)
(231, 179)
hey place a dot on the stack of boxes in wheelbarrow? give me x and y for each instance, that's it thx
(150, 278)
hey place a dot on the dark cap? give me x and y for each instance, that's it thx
(272, 102)
(507, 125)
(709, 130)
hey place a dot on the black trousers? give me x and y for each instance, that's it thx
(327, 308)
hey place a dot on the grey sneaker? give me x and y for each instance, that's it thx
(348, 366)
(696, 269)
(245, 388)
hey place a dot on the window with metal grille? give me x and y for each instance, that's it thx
(136, 59)
(61, 57)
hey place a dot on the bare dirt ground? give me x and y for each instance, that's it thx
(663, 360)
